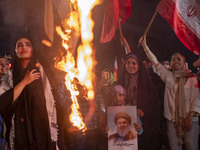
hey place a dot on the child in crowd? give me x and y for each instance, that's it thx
(119, 95)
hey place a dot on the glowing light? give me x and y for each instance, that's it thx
(47, 43)
(79, 22)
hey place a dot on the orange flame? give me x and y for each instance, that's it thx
(85, 51)
(79, 22)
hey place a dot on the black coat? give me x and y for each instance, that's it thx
(31, 119)
(148, 101)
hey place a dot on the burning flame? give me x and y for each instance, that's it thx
(80, 22)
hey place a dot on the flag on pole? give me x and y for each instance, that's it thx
(62, 6)
(114, 10)
(115, 74)
(49, 20)
(184, 17)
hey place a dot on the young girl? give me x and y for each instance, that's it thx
(119, 95)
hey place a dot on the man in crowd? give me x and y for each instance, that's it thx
(166, 64)
(122, 121)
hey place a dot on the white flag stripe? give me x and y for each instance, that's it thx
(184, 19)
(189, 12)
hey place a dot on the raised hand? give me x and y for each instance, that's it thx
(137, 126)
(142, 40)
(140, 112)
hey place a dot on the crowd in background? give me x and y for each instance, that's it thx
(35, 113)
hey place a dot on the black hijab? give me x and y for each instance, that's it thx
(147, 96)
(31, 119)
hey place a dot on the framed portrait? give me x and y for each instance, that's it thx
(122, 134)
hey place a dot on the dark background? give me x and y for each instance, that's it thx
(160, 38)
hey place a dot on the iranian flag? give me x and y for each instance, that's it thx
(62, 7)
(114, 10)
(115, 74)
(184, 17)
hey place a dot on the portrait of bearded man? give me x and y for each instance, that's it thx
(122, 121)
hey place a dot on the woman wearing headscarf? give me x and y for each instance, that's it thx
(142, 93)
(181, 102)
(35, 119)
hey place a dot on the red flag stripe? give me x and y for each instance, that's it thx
(124, 10)
(114, 10)
(111, 14)
(167, 9)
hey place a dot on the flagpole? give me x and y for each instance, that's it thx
(149, 25)
(123, 40)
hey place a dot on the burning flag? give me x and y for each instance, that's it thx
(183, 17)
(80, 71)
(62, 6)
(114, 10)
(49, 19)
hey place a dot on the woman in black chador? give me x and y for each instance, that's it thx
(35, 109)
(141, 92)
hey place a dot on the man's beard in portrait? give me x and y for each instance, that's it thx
(123, 133)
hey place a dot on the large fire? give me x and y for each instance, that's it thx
(79, 22)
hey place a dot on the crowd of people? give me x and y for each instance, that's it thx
(35, 117)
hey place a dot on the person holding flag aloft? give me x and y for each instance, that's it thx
(181, 101)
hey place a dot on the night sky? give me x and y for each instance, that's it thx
(160, 38)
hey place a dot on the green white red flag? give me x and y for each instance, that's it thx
(184, 17)
(115, 74)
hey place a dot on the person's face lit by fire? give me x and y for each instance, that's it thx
(131, 65)
(178, 62)
(24, 49)
(122, 126)
(4, 66)
(119, 99)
